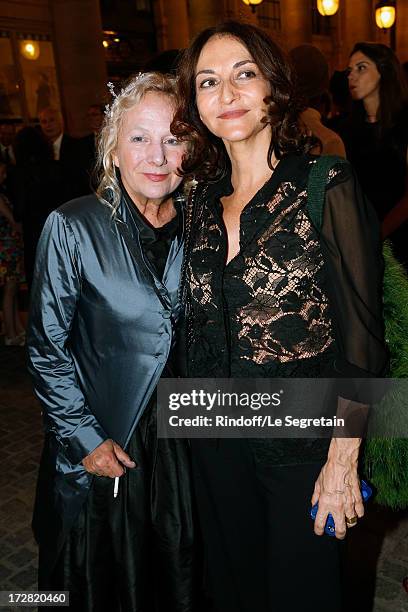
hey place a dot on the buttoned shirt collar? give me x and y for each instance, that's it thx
(56, 145)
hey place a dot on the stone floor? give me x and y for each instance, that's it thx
(20, 447)
(377, 556)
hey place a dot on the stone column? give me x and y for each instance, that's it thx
(177, 24)
(80, 59)
(358, 24)
(296, 18)
(402, 29)
(204, 14)
(172, 27)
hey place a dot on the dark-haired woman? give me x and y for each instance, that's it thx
(268, 296)
(376, 137)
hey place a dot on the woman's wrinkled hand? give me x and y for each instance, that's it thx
(108, 459)
(337, 489)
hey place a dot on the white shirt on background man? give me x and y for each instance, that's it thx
(56, 145)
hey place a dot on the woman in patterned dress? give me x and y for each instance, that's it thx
(11, 268)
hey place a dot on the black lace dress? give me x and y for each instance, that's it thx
(292, 303)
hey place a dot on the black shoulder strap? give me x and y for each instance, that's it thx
(192, 215)
(316, 186)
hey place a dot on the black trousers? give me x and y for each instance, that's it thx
(136, 552)
(260, 549)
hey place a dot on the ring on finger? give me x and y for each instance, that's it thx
(352, 521)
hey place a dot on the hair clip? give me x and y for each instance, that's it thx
(115, 96)
(111, 88)
(108, 107)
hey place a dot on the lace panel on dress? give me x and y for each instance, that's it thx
(272, 291)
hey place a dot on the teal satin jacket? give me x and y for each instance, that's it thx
(101, 328)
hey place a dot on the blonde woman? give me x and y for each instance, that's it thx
(113, 516)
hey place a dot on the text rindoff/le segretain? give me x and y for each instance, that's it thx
(254, 421)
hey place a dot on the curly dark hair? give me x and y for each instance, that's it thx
(207, 157)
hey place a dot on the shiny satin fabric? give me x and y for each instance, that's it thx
(100, 331)
(136, 552)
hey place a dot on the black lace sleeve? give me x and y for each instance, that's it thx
(352, 250)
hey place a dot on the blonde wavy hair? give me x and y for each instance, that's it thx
(108, 190)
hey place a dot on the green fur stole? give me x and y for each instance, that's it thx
(386, 459)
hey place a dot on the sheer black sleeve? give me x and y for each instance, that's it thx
(352, 250)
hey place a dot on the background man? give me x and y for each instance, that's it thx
(67, 151)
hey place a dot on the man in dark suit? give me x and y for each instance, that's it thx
(67, 151)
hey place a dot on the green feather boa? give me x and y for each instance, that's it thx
(386, 459)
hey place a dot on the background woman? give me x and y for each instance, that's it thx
(376, 136)
(103, 315)
(268, 296)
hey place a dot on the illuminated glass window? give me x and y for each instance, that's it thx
(37, 63)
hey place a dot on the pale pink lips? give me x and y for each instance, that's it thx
(233, 114)
(156, 178)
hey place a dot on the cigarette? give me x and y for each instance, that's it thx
(116, 486)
